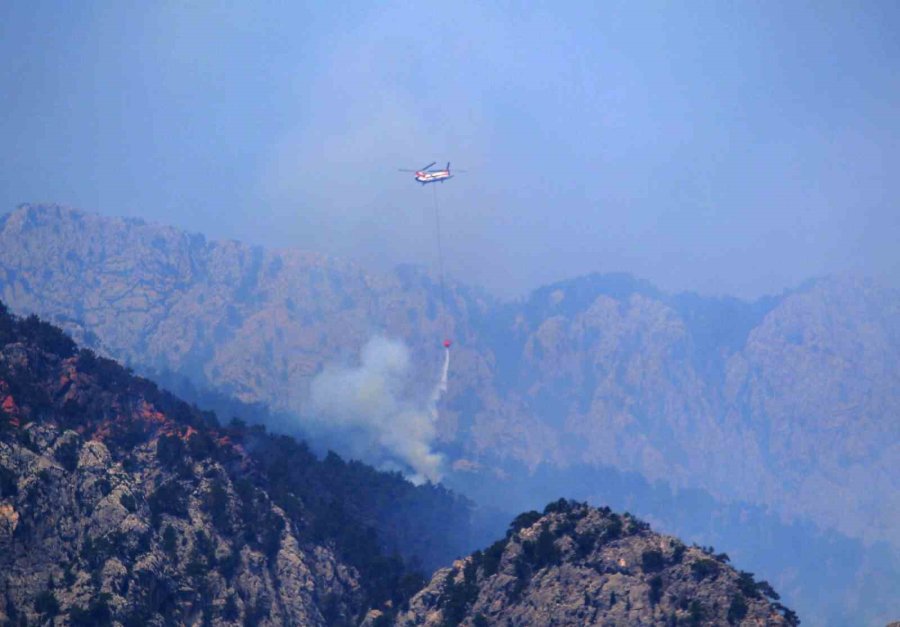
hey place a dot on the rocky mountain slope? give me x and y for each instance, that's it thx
(577, 565)
(777, 403)
(121, 504)
(739, 422)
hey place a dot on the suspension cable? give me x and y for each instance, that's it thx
(440, 251)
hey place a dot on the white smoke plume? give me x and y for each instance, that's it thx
(373, 400)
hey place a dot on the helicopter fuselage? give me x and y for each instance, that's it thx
(426, 176)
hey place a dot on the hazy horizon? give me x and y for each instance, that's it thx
(737, 149)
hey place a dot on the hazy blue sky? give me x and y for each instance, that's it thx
(722, 147)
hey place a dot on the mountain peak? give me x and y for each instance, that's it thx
(579, 565)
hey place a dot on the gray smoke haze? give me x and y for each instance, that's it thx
(373, 402)
(733, 148)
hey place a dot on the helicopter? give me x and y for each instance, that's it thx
(426, 175)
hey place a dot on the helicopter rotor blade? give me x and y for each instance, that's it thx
(429, 165)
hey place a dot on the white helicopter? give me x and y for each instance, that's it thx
(427, 175)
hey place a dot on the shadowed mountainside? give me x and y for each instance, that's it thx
(120, 504)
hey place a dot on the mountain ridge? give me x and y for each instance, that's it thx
(637, 386)
(577, 565)
(586, 375)
(122, 505)
(119, 500)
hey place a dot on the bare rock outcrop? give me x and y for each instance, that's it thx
(577, 565)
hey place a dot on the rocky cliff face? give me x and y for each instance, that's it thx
(780, 402)
(121, 504)
(90, 541)
(576, 565)
(255, 322)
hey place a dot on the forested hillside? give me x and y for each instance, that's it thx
(120, 502)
